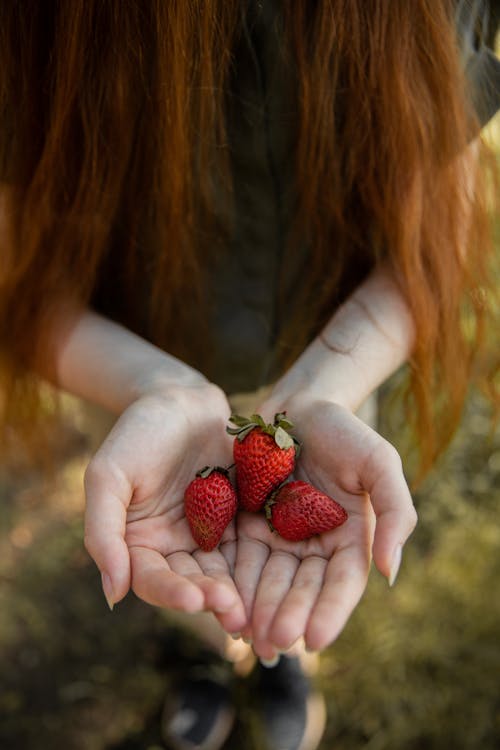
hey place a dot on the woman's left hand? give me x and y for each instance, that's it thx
(309, 589)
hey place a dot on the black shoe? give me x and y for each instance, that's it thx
(292, 715)
(199, 713)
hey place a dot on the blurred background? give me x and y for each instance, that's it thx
(418, 666)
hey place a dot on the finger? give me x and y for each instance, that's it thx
(266, 653)
(290, 621)
(234, 621)
(394, 509)
(217, 596)
(228, 552)
(107, 499)
(344, 582)
(275, 582)
(251, 557)
(156, 583)
(225, 602)
(209, 572)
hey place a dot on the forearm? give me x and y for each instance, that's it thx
(365, 342)
(104, 363)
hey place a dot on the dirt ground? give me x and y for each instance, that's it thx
(416, 667)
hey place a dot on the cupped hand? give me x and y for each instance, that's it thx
(309, 589)
(135, 527)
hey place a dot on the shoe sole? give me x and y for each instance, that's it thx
(215, 740)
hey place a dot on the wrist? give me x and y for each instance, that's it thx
(321, 375)
(194, 396)
(108, 365)
(166, 375)
(368, 338)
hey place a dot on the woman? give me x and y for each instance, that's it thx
(205, 198)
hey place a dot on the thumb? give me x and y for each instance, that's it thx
(394, 510)
(107, 499)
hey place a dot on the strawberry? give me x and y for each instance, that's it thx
(210, 504)
(298, 511)
(264, 455)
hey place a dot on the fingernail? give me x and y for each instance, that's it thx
(235, 636)
(248, 641)
(396, 562)
(268, 663)
(107, 587)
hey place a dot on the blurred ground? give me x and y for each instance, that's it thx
(417, 666)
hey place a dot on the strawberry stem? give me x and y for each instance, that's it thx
(278, 429)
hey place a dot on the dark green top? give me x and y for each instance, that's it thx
(260, 121)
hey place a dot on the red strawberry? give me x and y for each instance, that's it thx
(209, 504)
(264, 455)
(299, 511)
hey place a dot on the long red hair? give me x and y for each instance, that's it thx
(113, 146)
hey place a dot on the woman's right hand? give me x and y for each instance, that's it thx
(135, 527)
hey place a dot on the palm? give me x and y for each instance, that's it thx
(149, 458)
(310, 588)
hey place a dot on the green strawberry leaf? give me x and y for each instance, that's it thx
(243, 426)
(238, 420)
(278, 417)
(233, 430)
(269, 430)
(243, 432)
(258, 421)
(283, 439)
